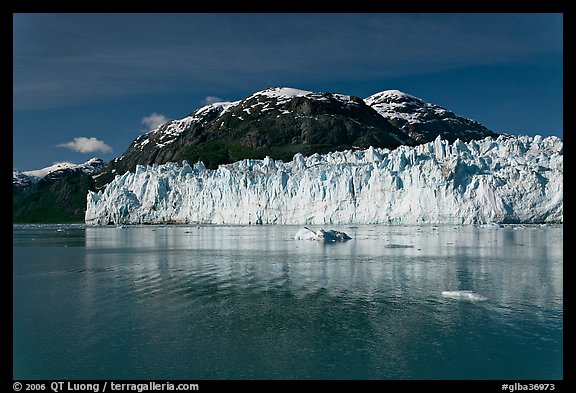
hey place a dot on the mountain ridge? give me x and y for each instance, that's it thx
(55, 193)
(420, 119)
(92, 166)
(277, 122)
(281, 121)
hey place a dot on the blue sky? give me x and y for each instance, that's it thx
(85, 85)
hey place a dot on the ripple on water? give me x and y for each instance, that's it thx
(252, 303)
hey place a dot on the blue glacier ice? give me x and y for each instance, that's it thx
(509, 179)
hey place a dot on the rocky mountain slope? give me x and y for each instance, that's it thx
(280, 122)
(276, 122)
(53, 194)
(422, 121)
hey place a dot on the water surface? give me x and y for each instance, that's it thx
(214, 302)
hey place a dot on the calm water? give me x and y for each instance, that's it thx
(186, 302)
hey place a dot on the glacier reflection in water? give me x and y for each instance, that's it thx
(187, 302)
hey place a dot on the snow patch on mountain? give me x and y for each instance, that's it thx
(168, 132)
(505, 180)
(92, 166)
(282, 93)
(395, 104)
(20, 180)
(423, 121)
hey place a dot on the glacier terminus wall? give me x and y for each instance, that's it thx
(510, 179)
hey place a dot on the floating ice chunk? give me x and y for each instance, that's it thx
(305, 234)
(321, 235)
(331, 236)
(492, 225)
(399, 246)
(464, 295)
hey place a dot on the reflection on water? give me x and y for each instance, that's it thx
(505, 262)
(250, 302)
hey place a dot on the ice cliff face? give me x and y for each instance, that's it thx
(505, 180)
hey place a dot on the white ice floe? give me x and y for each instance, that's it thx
(321, 235)
(491, 225)
(464, 295)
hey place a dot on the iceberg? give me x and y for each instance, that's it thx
(464, 295)
(509, 179)
(491, 225)
(305, 234)
(321, 235)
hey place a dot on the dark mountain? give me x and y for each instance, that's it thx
(53, 194)
(20, 182)
(280, 122)
(277, 122)
(422, 121)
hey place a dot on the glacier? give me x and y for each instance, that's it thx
(509, 179)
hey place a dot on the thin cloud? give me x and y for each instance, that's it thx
(153, 121)
(211, 100)
(129, 57)
(86, 145)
